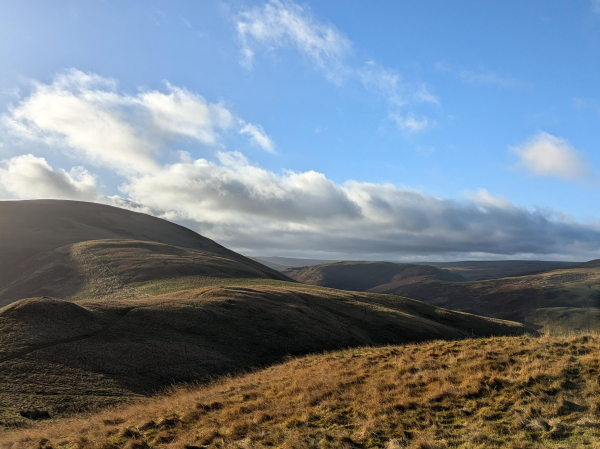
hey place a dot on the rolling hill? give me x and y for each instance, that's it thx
(508, 392)
(62, 356)
(72, 249)
(559, 300)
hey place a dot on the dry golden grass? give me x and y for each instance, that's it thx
(518, 392)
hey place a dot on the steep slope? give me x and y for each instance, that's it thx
(510, 392)
(37, 239)
(60, 356)
(362, 276)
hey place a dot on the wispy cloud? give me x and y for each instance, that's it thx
(258, 136)
(189, 25)
(596, 6)
(480, 76)
(282, 23)
(410, 123)
(547, 155)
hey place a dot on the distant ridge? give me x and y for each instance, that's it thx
(364, 276)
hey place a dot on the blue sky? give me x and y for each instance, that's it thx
(342, 129)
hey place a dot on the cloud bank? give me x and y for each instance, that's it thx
(251, 209)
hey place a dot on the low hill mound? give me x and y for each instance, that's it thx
(127, 269)
(363, 276)
(517, 392)
(131, 347)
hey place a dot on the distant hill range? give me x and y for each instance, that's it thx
(471, 270)
(563, 299)
(480, 270)
(104, 305)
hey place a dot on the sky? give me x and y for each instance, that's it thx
(390, 130)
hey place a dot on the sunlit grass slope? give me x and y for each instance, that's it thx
(518, 392)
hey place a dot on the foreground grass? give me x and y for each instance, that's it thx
(516, 392)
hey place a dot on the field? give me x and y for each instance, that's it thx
(519, 392)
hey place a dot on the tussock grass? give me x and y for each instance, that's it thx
(520, 392)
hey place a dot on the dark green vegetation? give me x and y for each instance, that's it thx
(565, 299)
(503, 392)
(127, 304)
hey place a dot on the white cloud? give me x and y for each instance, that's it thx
(86, 114)
(596, 6)
(281, 23)
(547, 155)
(184, 113)
(410, 123)
(258, 136)
(29, 177)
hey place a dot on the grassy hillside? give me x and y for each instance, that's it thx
(127, 269)
(515, 298)
(515, 392)
(30, 228)
(544, 299)
(62, 357)
(363, 276)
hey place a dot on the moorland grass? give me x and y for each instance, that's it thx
(519, 392)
